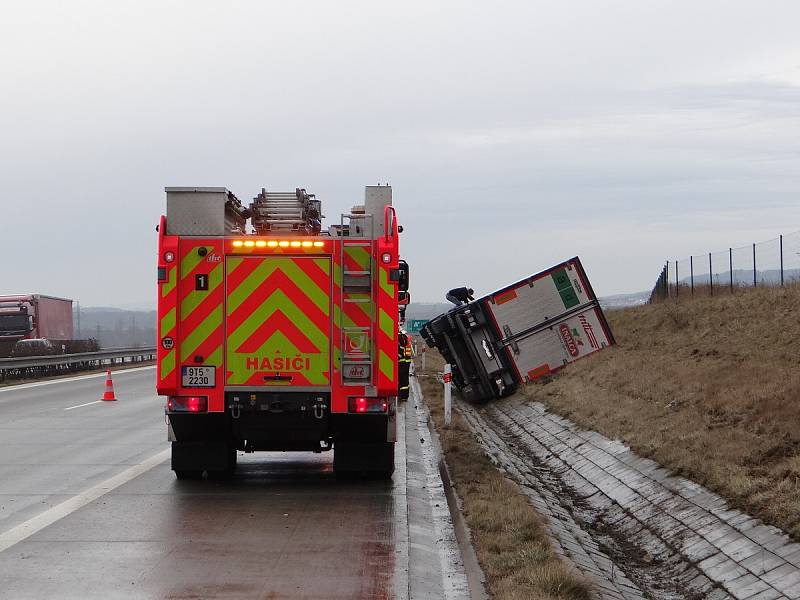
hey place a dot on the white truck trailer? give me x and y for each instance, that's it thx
(521, 332)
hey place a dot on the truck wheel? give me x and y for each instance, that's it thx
(185, 475)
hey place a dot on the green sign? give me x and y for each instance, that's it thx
(414, 325)
(565, 289)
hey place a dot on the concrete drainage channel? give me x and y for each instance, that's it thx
(633, 529)
(435, 567)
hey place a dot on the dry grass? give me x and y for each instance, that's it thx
(709, 387)
(508, 536)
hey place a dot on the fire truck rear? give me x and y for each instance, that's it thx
(275, 334)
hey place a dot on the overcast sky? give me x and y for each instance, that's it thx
(515, 134)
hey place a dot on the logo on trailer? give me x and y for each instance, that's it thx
(587, 328)
(214, 258)
(167, 343)
(566, 335)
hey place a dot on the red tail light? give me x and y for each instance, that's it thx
(192, 404)
(367, 405)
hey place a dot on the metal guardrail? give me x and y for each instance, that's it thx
(55, 360)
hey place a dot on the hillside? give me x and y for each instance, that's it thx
(115, 327)
(708, 387)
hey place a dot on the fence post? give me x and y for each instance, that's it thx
(754, 265)
(781, 239)
(730, 265)
(691, 273)
(448, 400)
(424, 354)
(677, 282)
(710, 276)
(666, 271)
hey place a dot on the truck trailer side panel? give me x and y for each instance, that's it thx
(537, 299)
(559, 344)
(53, 319)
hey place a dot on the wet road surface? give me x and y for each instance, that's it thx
(90, 509)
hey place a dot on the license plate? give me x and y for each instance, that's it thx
(198, 376)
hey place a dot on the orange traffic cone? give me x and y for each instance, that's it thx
(109, 393)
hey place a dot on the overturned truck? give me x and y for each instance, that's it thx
(521, 332)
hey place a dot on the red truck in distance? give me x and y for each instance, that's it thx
(38, 317)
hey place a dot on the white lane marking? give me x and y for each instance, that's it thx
(66, 508)
(79, 405)
(25, 386)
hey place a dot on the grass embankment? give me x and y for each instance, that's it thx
(507, 534)
(709, 387)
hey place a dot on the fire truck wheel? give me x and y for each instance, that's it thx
(184, 474)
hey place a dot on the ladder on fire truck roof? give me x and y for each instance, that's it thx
(286, 212)
(358, 294)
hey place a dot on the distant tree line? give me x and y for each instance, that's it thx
(113, 327)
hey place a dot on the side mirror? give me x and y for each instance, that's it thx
(402, 283)
(30, 322)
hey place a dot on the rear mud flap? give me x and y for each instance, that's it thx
(375, 458)
(200, 456)
(391, 424)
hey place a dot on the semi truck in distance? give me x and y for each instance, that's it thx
(277, 334)
(519, 333)
(34, 324)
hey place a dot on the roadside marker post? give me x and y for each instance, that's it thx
(424, 353)
(448, 399)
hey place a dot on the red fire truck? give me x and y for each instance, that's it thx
(275, 334)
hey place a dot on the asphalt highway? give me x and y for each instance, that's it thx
(89, 508)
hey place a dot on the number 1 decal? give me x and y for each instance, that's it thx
(201, 282)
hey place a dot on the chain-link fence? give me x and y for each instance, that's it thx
(774, 262)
